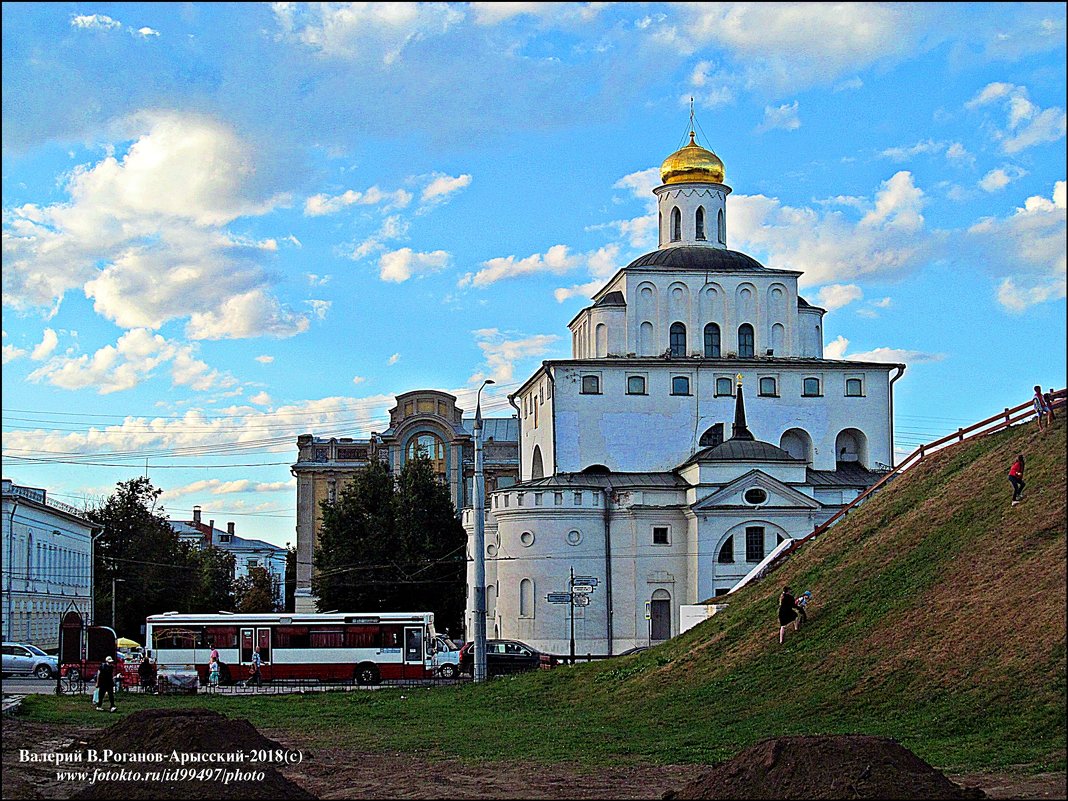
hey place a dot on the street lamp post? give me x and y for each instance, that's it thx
(114, 581)
(478, 618)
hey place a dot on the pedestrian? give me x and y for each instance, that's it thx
(1051, 401)
(802, 605)
(146, 671)
(213, 673)
(214, 656)
(1042, 411)
(257, 662)
(788, 610)
(105, 683)
(1016, 478)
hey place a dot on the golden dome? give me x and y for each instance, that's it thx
(692, 163)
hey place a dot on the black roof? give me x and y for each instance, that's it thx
(612, 299)
(743, 450)
(695, 257)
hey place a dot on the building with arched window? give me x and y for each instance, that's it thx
(426, 422)
(48, 557)
(668, 469)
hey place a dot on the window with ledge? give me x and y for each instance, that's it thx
(635, 385)
(746, 348)
(724, 387)
(712, 341)
(700, 222)
(680, 385)
(660, 535)
(591, 385)
(678, 340)
(854, 388)
(754, 543)
(811, 388)
(726, 553)
(768, 388)
(676, 224)
(722, 226)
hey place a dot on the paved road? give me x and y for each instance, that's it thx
(26, 685)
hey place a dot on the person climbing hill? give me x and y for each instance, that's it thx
(788, 612)
(1016, 478)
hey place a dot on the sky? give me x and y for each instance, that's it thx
(227, 225)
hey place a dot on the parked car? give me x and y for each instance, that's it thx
(446, 657)
(28, 659)
(506, 656)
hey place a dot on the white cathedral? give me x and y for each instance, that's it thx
(696, 426)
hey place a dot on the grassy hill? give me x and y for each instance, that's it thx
(939, 620)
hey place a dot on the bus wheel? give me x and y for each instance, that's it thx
(448, 671)
(367, 674)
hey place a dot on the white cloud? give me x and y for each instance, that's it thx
(319, 205)
(501, 354)
(442, 186)
(906, 153)
(1027, 125)
(252, 314)
(146, 32)
(132, 359)
(393, 227)
(99, 22)
(400, 265)
(784, 117)
(957, 152)
(143, 235)
(555, 260)
(1001, 177)
(837, 350)
(261, 399)
(368, 32)
(829, 245)
(320, 307)
(317, 280)
(849, 85)
(358, 379)
(392, 360)
(1030, 245)
(12, 352)
(549, 14)
(265, 359)
(786, 46)
(48, 343)
(835, 296)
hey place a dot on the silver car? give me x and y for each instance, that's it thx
(28, 659)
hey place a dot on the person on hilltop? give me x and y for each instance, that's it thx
(788, 613)
(1042, 410)
(1016, 478)
(105, 683)
(1051, 401)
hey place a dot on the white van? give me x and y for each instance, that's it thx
(446, 657)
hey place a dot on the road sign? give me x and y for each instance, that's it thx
(582, 588)
(582, 600)
(591, 580)
(558, 597)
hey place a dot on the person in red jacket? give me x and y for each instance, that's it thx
(1016, 478)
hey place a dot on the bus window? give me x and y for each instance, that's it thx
(246, 645)
(391, 636)
(291, 637)
(326, 638)
(413, 645)
(361, 637)
(221, 636)
(264, 641)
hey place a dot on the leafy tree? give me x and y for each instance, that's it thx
(213, 590)
(255, 591)
(390, 545)
(152, 569)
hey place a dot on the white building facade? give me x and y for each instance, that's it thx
(641, 465)
(48, 564)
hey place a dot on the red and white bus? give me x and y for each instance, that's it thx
(335, 646)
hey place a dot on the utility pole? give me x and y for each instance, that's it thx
(114, 581)
(478, 618)
(571, 606)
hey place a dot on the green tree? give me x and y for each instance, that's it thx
(152, 570)
(390, 545)
(255, 592)
(213, 590)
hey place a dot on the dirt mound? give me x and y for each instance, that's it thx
(185, 731)
(824, 766)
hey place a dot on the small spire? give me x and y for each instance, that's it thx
(739, 430)
(692, 134)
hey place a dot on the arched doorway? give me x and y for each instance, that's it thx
(660, 616)
(433, 448)
(536, 468)
(851, 447)
(797, 443)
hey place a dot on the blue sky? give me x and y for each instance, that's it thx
(226, 225)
